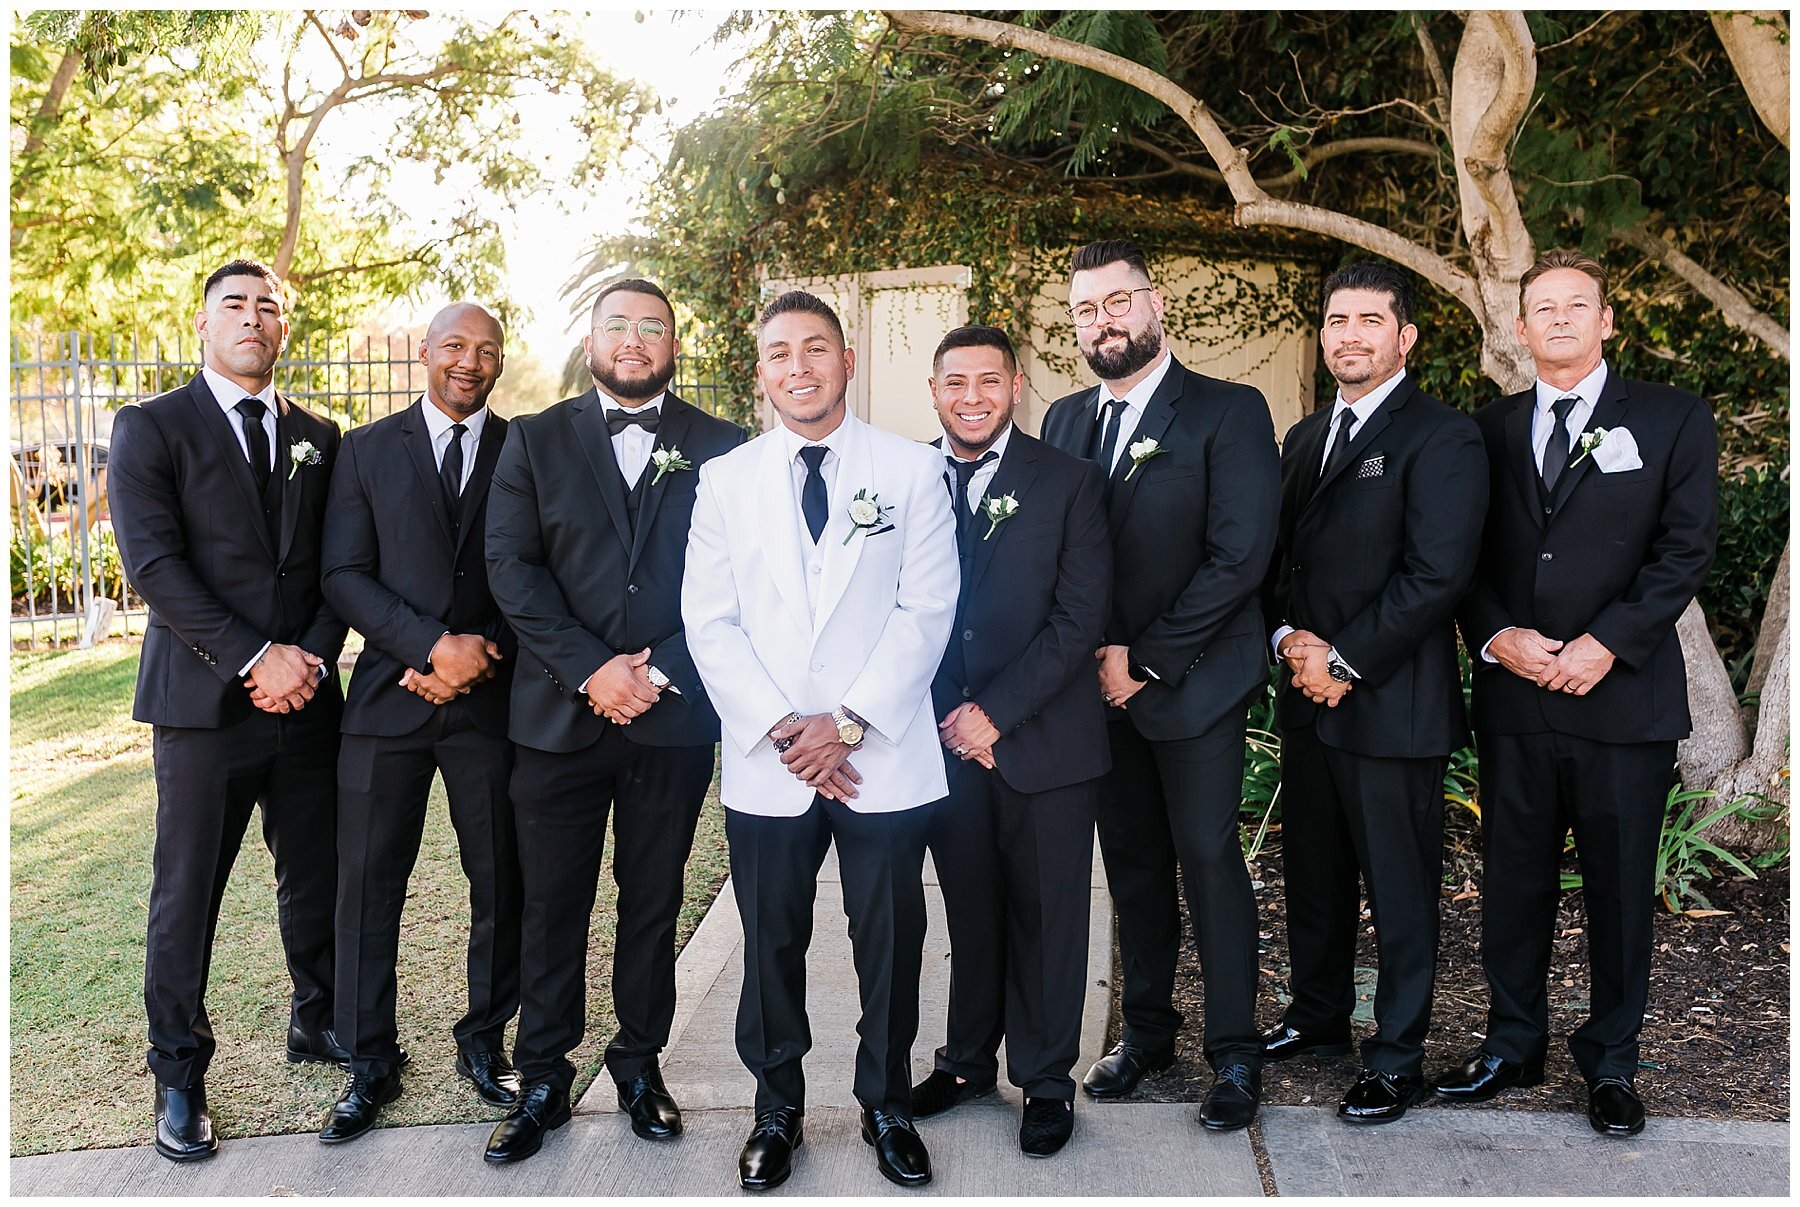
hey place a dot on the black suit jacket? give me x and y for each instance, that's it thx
(1375, 560)
(578, 585)
(396, 574)
(1618, 555)
(191, 534)
(1033, 605)
(1192, 532)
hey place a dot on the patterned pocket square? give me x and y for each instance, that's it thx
(1371, 468)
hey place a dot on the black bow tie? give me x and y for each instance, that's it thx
(646, 418)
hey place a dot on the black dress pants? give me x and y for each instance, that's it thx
(775, 873)
(207, 782)
(1170, 803)
(1534, 789)
(384, 785)
(1342, 811)
(1015, 869)
(560, 805)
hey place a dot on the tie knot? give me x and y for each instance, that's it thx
(252, 409)
(620, 419)
(814, 456)
(1117, 404)
(966, 470)
(1562, 407)
(459, 430)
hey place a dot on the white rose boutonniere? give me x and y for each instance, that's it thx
(1614, 450)
(868, 515)
(668, 461)
(1141, 451)
(303, 453)
(1003, 508)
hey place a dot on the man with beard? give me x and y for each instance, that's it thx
(404, 564)
(1382, 498)
(587, 534)
(1192, 499)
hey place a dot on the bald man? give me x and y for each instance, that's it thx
(404, 564)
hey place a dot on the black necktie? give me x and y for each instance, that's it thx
(646, 418)
(257, 441)
(965, 474)
(1556, 451)
(450, 469)
(1106, 434)
(1340, 446)
(812, 491)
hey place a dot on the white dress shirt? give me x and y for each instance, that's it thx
(438, 425)
(1136, 400)
(812, 553)
(228, 393)
(633, 445)
(978, 483)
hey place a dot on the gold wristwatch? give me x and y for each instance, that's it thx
(849, 727)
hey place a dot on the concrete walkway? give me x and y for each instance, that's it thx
(1128, 1148)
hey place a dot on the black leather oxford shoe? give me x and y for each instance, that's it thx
(496, 1082)
(654, 1115)
(542, 1108)
(1483, 1075)
(183, 1128)
(1614, 1108)
(356, 1108)
(1118, 1072)
(768, 1156)
(1283, 1042)
(321, 1047)
(1377, 1097)
(1231, 1103)
(1046, 1126)
(899, 1153)
(941, 1091)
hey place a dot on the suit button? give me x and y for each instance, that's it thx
(1548, 510)
(967, 693)
(1298, 567)
(284, 574)
(460, 573)
(631, 589)
(817, 667)
(968, 634)
(1546, 557)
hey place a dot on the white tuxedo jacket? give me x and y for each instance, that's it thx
(886, 604)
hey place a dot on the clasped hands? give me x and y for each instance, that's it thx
(1572, 667)
(458, 662)
(284, 679)
(968, 733)
(621, 688)
(1306, 655)
(817, 756)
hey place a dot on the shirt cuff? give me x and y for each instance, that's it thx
(1487, 657)
(1281, 635)
(255, 660)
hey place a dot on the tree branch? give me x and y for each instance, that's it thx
(1733, 305)
(1494, 75)
(1434, 66)
(1316, 154)
(1756, 43)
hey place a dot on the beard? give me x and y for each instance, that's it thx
(1139, 350)
(641, 390)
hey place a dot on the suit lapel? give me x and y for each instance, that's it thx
(589, 420)
(671, 430)
(287, 434)
(1070, 433)
(213, 419)
(1014, 476)
(841, 556)
(487, 452)
(1309, 451)
(1365, 436)
(1519, 458)
(778, 519)
(1609, 413)
(417, 439)
(1154, 426)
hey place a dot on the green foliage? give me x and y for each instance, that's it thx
(1754, 508)
(40, 566)
(1048, 98)
(1683, 856)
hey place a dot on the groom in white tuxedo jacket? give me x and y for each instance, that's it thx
(818, 597)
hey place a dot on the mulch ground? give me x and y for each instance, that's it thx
(1715, 1044)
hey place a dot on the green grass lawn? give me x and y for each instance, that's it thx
(83, 822)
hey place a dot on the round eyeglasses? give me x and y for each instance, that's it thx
(1115, 304)
(650, 331)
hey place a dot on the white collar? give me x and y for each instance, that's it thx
(228, 393)
(437, 423)
(1137, 397)
(609, 402)
(1365, 406)
(998, 447)
(1587, 389)
(836, 441)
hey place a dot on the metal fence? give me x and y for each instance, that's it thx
(67, 580)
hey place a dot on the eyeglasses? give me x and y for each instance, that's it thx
(1115, 304)
(651, 331)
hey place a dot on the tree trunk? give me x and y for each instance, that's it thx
(1756, 42)
(1740, 750)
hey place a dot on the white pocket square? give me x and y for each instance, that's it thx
(1618, 452)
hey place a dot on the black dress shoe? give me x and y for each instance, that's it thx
(542, 1108)
(1118, 1072)
(1282, 1042)
(1614, 1108)
(899, 1153)
(1378, 1097)
(1046, 1127)
(183, 1128)
(495, 1080)
(768, 1156)
(1231, 1103)
(941, 1091)
(321, 1047)
(1483, 1075)
(654, 1115)
(357, 1107)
